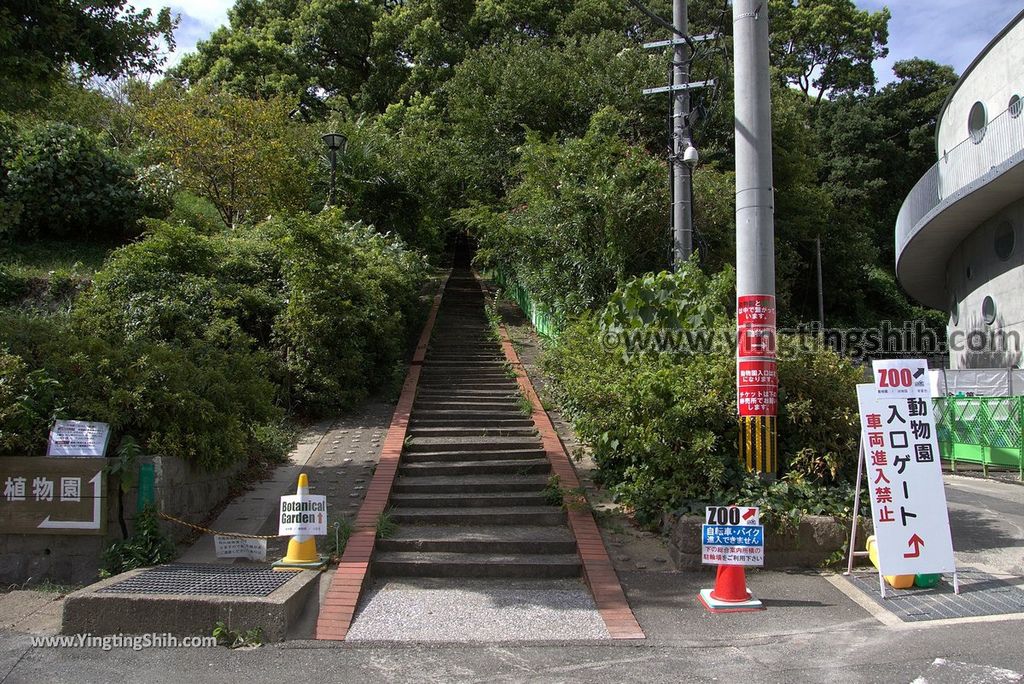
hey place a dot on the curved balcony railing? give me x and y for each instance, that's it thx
(969, 161)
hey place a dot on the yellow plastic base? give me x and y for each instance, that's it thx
(301, 556)
(895, 581)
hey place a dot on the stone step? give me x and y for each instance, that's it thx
(503, 384)
(460, 393)
(493, 539)
(419, 444)
(531, 466)
(450, 416)
(470, 483)
(481, 515)
(443, 564)
(418, 432)
(429, 404)
(471, 456)
(469, 499)
(497, 423)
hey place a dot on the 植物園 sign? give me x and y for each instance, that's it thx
(53, 495)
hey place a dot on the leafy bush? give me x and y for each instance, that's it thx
(10, 210)
(207, 406)
(147, 546)
(662, 421)
(353, 307)
(330, 306)
(66, 184)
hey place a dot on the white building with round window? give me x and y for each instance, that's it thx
(960, 231)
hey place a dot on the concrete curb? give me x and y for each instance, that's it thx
(87, 611)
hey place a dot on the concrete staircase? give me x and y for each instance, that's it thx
(468, 500)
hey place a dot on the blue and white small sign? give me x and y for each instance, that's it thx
(738, 542)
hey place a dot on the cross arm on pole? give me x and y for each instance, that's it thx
(681, 86)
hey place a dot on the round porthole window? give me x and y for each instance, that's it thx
(954, 311)
(1006, 240)
(988, 311)
(977, 121)
(1015, 107)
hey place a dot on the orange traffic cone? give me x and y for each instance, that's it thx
(730, 594)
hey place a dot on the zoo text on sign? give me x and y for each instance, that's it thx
(732, 535)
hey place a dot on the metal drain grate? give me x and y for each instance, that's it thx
(980, 594)
(216, 580)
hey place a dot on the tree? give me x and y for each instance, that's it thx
(39, 39)
(875, 149)
(310, 50)
(826, 47)
(64, 183)
(246, 156)
(587, 214)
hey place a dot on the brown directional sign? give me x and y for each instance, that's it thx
(53, 495)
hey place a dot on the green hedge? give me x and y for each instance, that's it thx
(61, 182)
(208, 406)
(198, 346)
(331, 304)
(662, 424)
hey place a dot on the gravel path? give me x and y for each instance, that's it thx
(453, 610)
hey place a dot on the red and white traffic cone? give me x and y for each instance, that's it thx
(730, 594)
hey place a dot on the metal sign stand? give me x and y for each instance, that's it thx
(861, 457)
(853, 553)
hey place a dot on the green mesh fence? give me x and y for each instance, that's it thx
(542, 320)
(982, 430)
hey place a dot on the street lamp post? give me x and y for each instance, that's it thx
(334, 142)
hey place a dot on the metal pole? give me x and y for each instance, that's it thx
(821, 289)
(334, 170)
(757, 379)
(682, 209)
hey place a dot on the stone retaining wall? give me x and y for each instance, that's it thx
(180, 491)
(814, 541)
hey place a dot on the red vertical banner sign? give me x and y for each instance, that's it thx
(757, 380)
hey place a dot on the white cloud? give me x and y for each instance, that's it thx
(199, 18)
(946, 31)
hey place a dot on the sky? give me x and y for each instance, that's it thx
(946, 31)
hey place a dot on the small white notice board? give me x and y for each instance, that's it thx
(237, 547)
(80, 438)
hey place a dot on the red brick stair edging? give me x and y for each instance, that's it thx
(598, 570)
(339, 604)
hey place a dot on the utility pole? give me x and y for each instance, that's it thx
(821, 289)
(682, 202)
(683, 157)
(757, 384)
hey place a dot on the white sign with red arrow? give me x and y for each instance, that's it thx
(904, 483)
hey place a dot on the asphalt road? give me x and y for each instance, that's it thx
(812, 631)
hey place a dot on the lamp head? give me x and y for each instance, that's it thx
(334, 141)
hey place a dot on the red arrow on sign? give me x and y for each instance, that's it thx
(916, 542)
(748, 514)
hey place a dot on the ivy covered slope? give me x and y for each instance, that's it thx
(199, 346)
(650, 384)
